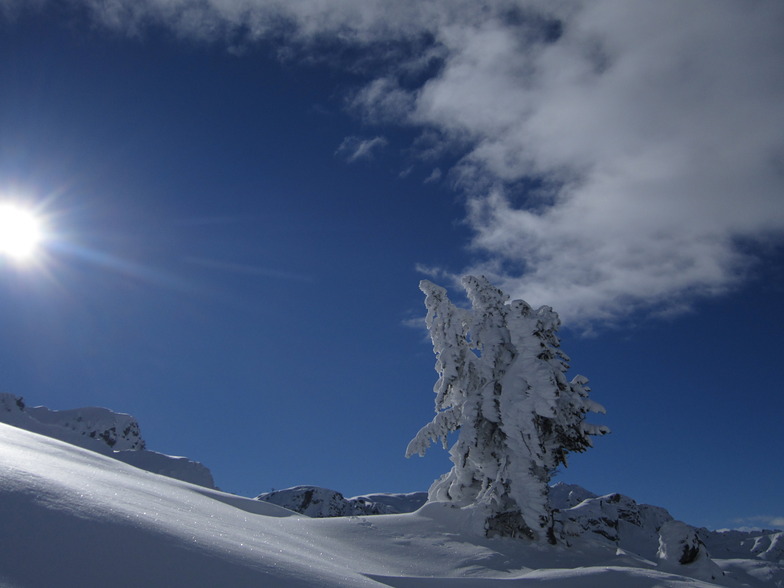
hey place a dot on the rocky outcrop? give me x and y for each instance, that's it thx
(394, 503)
(318, 502)
(651, 533)
(681, 551)
(616, 518)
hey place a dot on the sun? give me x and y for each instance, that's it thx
(20, 233)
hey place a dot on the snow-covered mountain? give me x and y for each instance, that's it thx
(637, 528)
(107, 432)
(317, 502)
(71, 517)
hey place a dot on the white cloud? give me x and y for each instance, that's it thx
(652, 129)
(355, 148)
(656, 127)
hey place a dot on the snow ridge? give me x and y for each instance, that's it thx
(104, 431)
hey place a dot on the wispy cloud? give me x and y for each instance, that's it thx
(354, 149)
(760, 522)
(614, 153)
(434, 176)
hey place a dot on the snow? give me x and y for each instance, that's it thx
(102, 430)
(79, 518)
(73, 517)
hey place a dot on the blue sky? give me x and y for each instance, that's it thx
(243, 196)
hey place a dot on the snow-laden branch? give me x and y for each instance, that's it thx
(438, 429)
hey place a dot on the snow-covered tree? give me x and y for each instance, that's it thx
(502, 385)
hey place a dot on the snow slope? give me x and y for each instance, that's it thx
(71, 517)
(110, 433)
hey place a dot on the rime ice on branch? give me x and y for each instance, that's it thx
(502, 385)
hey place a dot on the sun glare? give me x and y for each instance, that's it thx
(20, 233)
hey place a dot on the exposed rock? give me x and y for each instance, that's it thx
(318, 502)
